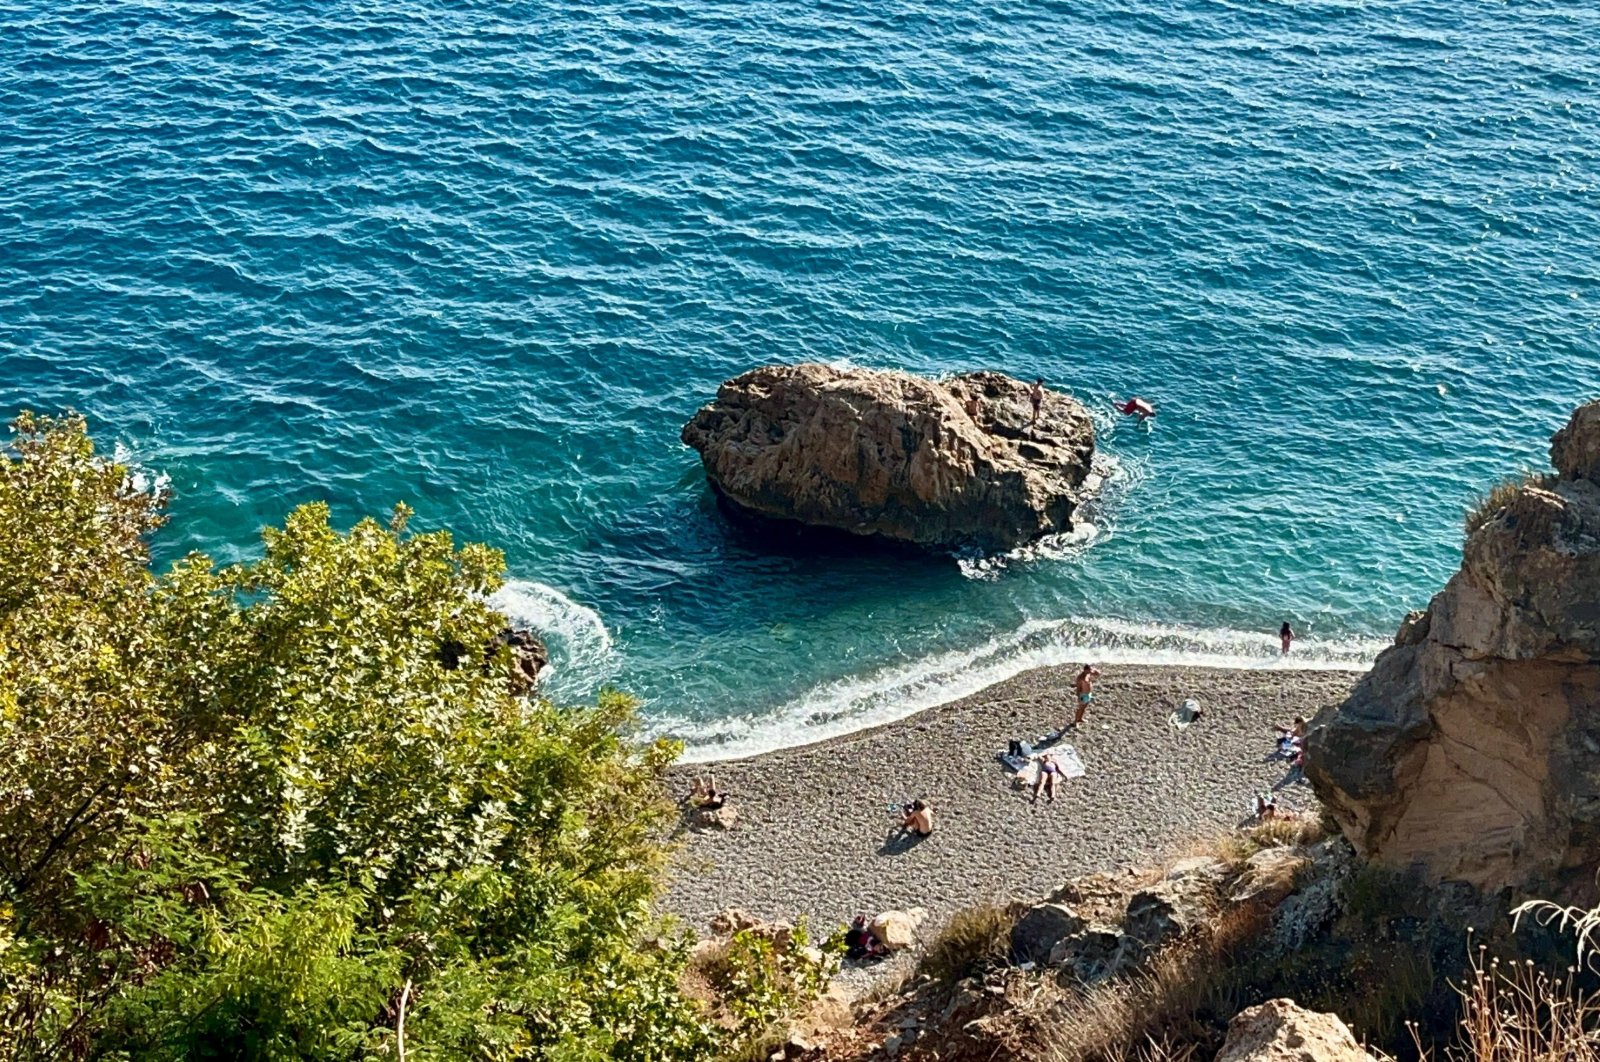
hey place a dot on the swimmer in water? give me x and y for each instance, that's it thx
(1137, 407)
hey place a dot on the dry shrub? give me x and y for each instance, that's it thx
(1176, 1007)
(1233, 847)
(1290, 831)
(1515, 1012)
(1501, 494)
(974, 938)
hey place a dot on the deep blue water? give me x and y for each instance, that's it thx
(487, 258)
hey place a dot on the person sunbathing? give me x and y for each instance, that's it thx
(918, 818)
(1266, 807)
(1049, 774)
(705, 795)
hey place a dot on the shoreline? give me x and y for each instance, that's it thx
(810, 838)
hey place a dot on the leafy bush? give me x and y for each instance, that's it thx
(292, 809)
(760, 977)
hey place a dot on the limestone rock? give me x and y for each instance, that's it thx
(1472, 747)
(1269, 876)
(1096, 954)
(945, 464)
(1040, 929)
(1167, 910)
(529, 657)
(1280, 1030)
(897, 930)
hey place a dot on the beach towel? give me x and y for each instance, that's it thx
(1067, 760)
(1184, 714)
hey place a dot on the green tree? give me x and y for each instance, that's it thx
(292, 808)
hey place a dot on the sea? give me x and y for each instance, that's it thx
(487, 259)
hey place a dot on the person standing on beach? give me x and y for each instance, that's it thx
(1085, 687)
(1036, 396)
(1286, 635)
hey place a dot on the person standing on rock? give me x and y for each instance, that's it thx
(1036, 396)
(1085, 687)
(1286, 635)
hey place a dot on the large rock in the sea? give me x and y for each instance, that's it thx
(1472, 747)
(940, 463)
(1281, 1030)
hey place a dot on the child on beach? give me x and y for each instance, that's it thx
(1085, 688)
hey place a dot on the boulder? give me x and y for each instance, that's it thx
(1040, 929)
(529, 657)
(1097, 953)
(955, 463)
(1167, 910)
(1280, 1030)
(897, 930)
(1471, 750)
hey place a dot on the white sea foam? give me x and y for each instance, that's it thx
(899, 690)
(141, 480)
(581, 649)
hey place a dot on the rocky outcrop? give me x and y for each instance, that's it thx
(897, 930)
(957, 463)
(1471, 750)
(528, 657)
(1281, 1030)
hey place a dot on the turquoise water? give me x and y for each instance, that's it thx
(487, 258)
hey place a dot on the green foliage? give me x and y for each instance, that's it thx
(761, 978)
(290, 808)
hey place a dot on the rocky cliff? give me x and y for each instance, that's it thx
(959, 463)
(1472, 748)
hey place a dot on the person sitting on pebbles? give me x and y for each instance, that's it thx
(705, 796)
(918, 819)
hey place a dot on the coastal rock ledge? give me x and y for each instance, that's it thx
(1472, 748)
(955, 463)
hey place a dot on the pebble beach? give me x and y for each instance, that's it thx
(810, 840)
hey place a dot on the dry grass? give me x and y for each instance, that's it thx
(1235, 846)
(973, 939)
(1174, 1009)
(1492, 503)
(1515, 1012)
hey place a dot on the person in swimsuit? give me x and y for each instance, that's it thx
(1036, 396)
(1049, 774)
(918, 818)
(1085, 687)
(1286, 635)
(1137, 407)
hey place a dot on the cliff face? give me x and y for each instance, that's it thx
(953, 463)
(1472, 748)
